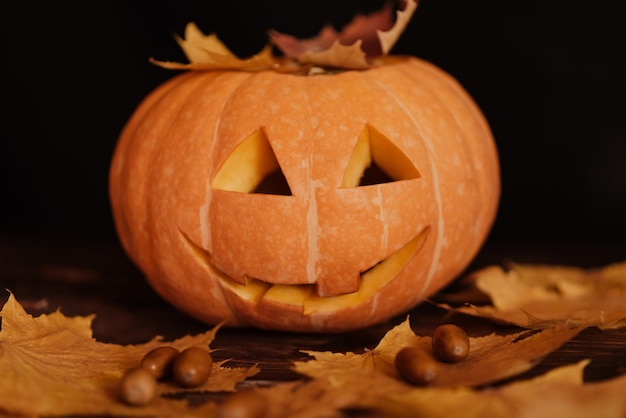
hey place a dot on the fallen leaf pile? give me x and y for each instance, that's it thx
(359, 45)
(51, 365)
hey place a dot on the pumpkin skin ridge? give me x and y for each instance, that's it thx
(205, 226)
(435, 177)
(441, 227)
(191, 95)
(122, 147)
(118, 169)
(268, 80)
(488, 148)
(312, 218)
(390, 249)
(437, 80)
(236, 312)
(162, 285)
(479, 118)
(356, 84)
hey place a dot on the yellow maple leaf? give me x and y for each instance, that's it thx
(51, 365)
(559, 392)
(207, 52)
(376, 361)
(540, 296)
(368, 382)
(492, 357)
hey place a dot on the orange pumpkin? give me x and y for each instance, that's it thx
(318, 248)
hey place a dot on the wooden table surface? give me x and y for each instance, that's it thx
(84, 277)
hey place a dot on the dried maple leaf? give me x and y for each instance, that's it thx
(538, 296)
(338, 56)
(491, 358)
(368, 381)
(388, 38)
(51, 365)
(363, 28)
(363, 39)
(207, 52)
(371, 362)
(560, 392)
(317, 398)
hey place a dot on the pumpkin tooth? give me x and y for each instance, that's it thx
(372, 279)
(336, 285)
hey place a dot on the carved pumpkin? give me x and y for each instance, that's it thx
(306, 203)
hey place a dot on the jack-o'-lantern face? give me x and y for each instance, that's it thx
(253, 189)
(263, 261)
(322, 203)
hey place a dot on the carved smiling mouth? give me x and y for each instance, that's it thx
(304, 295)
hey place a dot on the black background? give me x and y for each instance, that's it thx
(549, 75)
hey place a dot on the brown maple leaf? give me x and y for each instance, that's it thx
(51, 365)
(354, 48)
(362, 28)
(541, 296)
(364, 38)
(337, 56)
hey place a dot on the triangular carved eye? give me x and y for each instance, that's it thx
(252, 167)
(375, 159)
